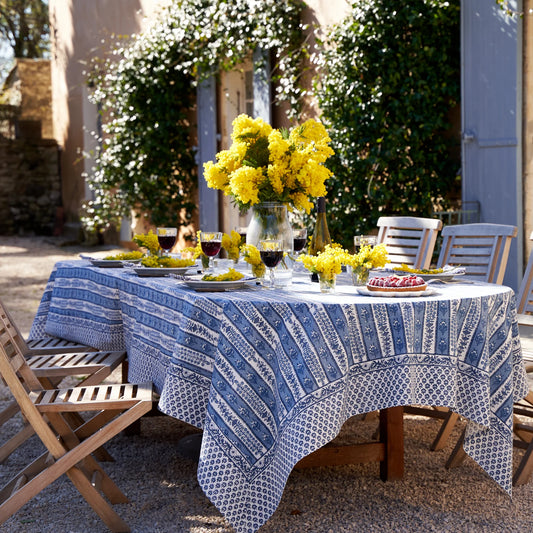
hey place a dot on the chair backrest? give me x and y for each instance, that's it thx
(482, 249)
(15, 332)
(409, 240)
(524, 301)
(21, 379)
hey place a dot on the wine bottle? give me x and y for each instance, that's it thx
(321, 233)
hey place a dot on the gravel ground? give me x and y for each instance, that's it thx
(164, 493)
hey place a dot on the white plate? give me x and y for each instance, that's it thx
(112, 263)
(395, 294)
(443, 276)
(155, 272)
(197, 284)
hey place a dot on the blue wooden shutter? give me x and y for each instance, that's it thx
(491, 43)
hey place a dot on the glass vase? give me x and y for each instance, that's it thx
(360, 275)
(270, 221)
(259, 271)
(327, 282)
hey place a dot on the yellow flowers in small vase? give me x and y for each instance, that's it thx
(367, 258)
(231, 243)
(253, 257)
(327, 264)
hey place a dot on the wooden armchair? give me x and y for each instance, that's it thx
(90, 366)
(524, 408)
(71, 441)
(483, 249)
(409, 240)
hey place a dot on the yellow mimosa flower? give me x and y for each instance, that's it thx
(269, 165)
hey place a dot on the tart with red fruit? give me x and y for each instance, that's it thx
(397, 284)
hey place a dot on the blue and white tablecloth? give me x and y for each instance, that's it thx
(271, 376)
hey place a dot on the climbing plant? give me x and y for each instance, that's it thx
(146, 92)
(390, 75)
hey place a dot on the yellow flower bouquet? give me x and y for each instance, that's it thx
(231, 243)
(327, 264)
(253, 257)
(197, 252)
(367, 258)
(269, 165)
(150, 242)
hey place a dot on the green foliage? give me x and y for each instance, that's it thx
(147, 93)
(24, 24)
(390, 75)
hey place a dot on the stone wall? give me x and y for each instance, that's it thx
(30, 187)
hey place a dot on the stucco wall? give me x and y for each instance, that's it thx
(80, 30)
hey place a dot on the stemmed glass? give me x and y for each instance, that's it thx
(242, 230)
(363, 240)
(299, 239)
(271, 251)
(211, 242)
(167, 238)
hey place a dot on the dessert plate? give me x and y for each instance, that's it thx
(447, 275)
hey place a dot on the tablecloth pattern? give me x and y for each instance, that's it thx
(271, 376)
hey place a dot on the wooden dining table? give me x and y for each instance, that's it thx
(270, 376)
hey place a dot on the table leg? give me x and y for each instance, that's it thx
(388, 450)
(391, 435)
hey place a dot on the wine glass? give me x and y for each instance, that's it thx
(167, 238)
(242, 230)
(363, 240)
(299, 239)
(271, 251)
(211, 242)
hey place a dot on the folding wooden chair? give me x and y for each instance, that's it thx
(70, 445)
(523, 408)
(409, 240)
(483, 250)
(92, 367)
(45, 345)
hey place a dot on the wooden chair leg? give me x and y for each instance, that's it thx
(102, 481)
(445, 431)
(14, 442)
(458, 454)
(525, 468)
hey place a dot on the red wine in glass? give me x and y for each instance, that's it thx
(166, 237)
(299, 243)
(299, 239)
(211, 248)
(166, 241)
(271, 258)
(211, 242)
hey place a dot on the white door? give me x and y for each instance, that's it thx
(491, 50)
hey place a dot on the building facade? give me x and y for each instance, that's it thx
(496, 116)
